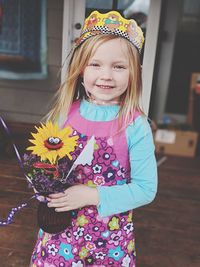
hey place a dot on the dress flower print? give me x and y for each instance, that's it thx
(92, 240)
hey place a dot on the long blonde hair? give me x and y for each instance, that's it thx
(72, 89)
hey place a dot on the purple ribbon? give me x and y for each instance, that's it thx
(14, 210)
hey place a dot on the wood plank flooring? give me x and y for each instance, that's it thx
(17, 239)
(167, 230)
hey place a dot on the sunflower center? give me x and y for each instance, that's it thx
(53, 143)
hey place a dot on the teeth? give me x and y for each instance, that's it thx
(105, 87)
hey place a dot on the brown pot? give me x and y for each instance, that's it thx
(51, 221)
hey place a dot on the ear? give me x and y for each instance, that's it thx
(81, 73)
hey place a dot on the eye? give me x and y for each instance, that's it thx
(51, 140)
(94, 64)
(120, 67)
(56, 140)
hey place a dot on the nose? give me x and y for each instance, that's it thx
(106, 74)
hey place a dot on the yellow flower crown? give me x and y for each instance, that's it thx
(111, 23)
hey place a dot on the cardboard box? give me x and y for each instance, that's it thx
(176, 142)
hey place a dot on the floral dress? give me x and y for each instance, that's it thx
(92, 240)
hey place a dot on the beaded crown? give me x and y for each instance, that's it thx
(111, 23)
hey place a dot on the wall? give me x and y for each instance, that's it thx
(162, 71)
(29, 100)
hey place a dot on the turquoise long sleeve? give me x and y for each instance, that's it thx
(143, 186)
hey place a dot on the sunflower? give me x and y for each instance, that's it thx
(51, 143)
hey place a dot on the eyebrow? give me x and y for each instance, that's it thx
(114, 62)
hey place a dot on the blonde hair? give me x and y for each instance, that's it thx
(72, 89)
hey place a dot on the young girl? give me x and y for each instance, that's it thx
(100, 98)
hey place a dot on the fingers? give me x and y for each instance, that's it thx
(57, 200)
(63, 209)
(67, 200)
(59, 206)
(57, 195)
(54, 204)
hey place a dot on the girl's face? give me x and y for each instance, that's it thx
(106, 75)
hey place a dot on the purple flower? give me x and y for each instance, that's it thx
(109, 174)
(100, 242)
(106, 156)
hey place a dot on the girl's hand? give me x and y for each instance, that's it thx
(74, 197)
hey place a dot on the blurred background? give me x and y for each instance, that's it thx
(35, 39)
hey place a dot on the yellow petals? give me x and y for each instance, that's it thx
(51, 143)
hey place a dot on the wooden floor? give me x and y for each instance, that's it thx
(167, 231)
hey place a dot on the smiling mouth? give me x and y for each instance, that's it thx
(105, 86)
